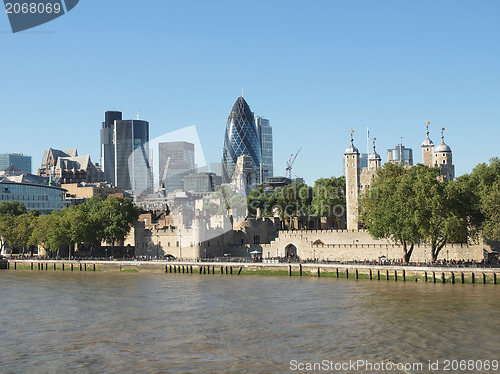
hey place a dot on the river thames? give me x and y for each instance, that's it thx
(169, 323)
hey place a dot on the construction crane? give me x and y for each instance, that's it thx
(163, 179)
(289, 164)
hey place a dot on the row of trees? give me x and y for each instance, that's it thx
(90, 224)
(325, 199)
(413, 205)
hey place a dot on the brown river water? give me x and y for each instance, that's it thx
(187, 323)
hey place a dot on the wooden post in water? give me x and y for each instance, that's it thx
(473, 278)
(191, 268)
(15, 265)
(205, 270)
(484, 278)
(404, 275)
(166, 268)
(395, 275)
(63, 266)
(72, 267)
(442, 278)
(94, 267)
(200, 269)
(319, 273)
(494, 277)
(387, 275)
(231, 270)
(289, 270)
(222, 269)
(433, 277)
(183, 269)
(425, 275)
(85, 266)
(463, 277)
(357, 274)
(371, 276)
(300, 270)
(378, 274)
(337, 272)
(241, 268)
(175, 268)
(80, 266)
(347, 273)
(452, 278)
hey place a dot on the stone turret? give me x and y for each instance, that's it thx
(428, 149)
(352, 185)
(443, 159)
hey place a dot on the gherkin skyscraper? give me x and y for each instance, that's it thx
(241, 138)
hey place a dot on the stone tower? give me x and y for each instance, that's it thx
(352, 185)
(443, 159)
(428, 149)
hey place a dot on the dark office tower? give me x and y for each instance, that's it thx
(107, 146)
(241, 138)
(265, 132)
(180, 159)
(132, 169)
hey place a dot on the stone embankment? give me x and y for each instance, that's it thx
(347, 271)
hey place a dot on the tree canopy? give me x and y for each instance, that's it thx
(89, 223)
(413, 205)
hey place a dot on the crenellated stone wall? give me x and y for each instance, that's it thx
(353, 245)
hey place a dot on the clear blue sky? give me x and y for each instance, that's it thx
(316, 69)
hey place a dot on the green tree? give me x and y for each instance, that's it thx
(23, 228)
(442, 209)
(329, 198)
(410, 205)
(293, 200)
(387, 208)
(119, 215)
(263, 200)
(483, 181)
(51, 231)
(491, 210)
(9, 210)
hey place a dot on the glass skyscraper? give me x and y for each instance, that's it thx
(265, 132)
(107, 145)
(132, 169)
(240, 138)
(124, 154)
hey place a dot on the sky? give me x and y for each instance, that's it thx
(314, 68)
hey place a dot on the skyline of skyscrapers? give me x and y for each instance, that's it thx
(240, 138)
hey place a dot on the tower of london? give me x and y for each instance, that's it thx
(359, 178)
